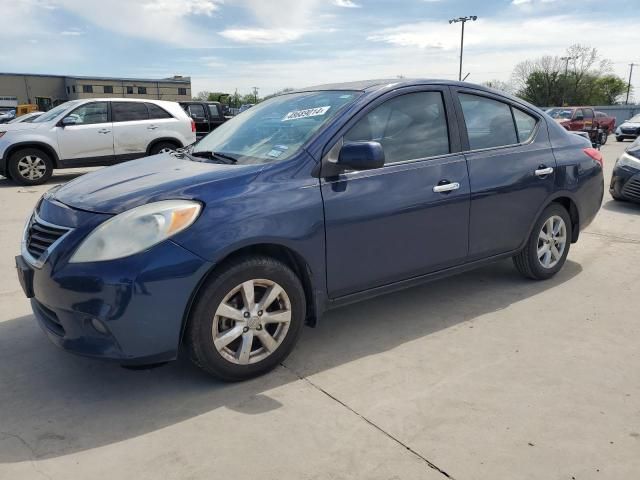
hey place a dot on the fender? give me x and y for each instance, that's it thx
(163, 139)
(48, 148)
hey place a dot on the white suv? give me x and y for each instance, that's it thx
(91, 132)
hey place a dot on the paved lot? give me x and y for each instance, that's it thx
(481, 376)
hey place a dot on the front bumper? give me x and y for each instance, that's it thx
(625, 183)
(130, 310)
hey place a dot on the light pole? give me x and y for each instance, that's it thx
(626, 102)
(255, 94)
(463, 20)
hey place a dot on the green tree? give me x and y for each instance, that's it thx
(610, 89)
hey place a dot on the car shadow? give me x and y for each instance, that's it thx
(622, 207)
(54, 404)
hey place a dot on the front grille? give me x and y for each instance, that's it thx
(632, 189)
(40, 236)
(48, 318)
(630, 131)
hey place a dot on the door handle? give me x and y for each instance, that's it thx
(447, 187)
(544, 171)
(104, 130)
(152, 127)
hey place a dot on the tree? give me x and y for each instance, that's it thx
(577, 78)
(610, 90)
(202, 96)
(505, 87)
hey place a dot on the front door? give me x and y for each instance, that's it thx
(90, 139)
(409, 217)
(511, 170)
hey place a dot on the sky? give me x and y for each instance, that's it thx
(226, 45)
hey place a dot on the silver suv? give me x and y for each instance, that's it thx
(91, 132)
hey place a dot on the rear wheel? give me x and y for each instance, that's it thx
(548, 245)
(30, 166)
(162, 147)
(604, 136)
(246, 319)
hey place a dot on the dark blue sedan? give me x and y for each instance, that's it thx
(305, 202)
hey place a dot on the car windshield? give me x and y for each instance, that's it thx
(635, 119)
(54, 112)
(275, 129)
(560, 113)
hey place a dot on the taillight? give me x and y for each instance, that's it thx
(193, 126)
(595, 154)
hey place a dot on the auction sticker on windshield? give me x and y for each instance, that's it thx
(309, 112)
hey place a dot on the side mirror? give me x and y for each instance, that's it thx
(361, 156)
(66, 121)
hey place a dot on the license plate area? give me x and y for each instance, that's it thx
(25, 276)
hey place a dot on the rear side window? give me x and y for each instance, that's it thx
(525, 124)
(129, 111)
(213, 111)
(157, 112)
(489, 122)
(408, 127)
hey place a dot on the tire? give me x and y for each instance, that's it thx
(229, 361)
(604, 136)
(528, 262)
(162, 147)
(30, 166)
(619, 139)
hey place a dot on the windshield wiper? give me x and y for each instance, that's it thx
(217, 156)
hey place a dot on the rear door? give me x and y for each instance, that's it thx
(90, 139)
(511, 170)
(409, 217)
(132, 131)
(197, 112)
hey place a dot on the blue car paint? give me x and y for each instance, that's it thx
(384, 229)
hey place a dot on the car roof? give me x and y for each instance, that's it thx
(115, 99)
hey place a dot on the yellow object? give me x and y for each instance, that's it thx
(26, 108)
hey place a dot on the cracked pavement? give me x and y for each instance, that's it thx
(484, 375)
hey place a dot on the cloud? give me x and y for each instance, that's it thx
(261, 35)
(73, 32)
(346, 4)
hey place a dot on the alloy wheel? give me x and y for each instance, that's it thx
(32, 167)
(251, 322)
(552, 241)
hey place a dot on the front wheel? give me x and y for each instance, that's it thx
(619, 139)
(30, 166)
(548, 245)
(604, 136)
(246, 319)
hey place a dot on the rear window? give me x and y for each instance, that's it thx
(157, 112)
(129, 111)
(489, 122)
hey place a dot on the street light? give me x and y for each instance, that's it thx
(463, 20)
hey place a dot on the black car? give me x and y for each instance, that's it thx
(625, 182)
(207, 116)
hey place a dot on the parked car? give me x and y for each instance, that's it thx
(7, 114)
(207, 115)
(625, 179)
(584, 119)
(246, 106)
(629, 129)
(319, 198)
(26, 118)
(93, 132)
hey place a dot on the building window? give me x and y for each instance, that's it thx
(142, 90)
(74, 89)
(129, 90)
(108, 89)
(87, 88)
(68, 90)
(182, 91)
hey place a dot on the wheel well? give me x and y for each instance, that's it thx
(570, 207)
(40, 146)
(173, 141)
(281, 253)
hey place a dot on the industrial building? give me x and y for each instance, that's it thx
(47, 91)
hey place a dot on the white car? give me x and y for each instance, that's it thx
(629, 129)
(91, 132)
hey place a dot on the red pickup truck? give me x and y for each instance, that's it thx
(584, 119)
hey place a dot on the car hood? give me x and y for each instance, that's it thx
(13, 127)
(631, 124)
(160, 177)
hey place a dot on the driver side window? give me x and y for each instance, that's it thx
(90, 113)
(409, 127)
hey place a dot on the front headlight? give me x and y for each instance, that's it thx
(627, 160)
(136, 230)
